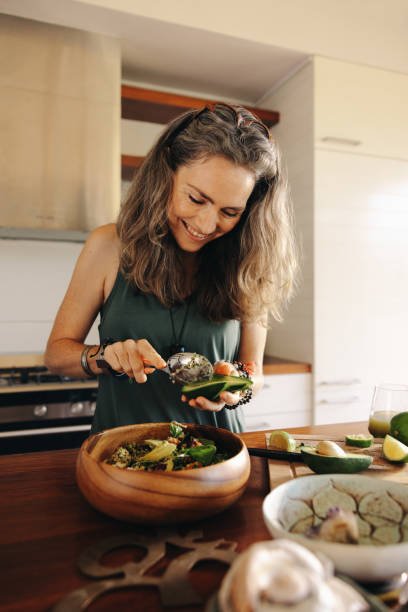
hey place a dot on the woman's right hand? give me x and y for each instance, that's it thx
(131, 357)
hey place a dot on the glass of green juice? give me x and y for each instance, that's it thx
(388, 400)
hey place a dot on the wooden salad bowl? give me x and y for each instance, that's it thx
(161, 497)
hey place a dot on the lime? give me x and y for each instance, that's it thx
(399, 427)
(394, 450)
(360, 440)
(326, 464)
(282, 440)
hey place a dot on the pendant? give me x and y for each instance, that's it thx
(176, 348)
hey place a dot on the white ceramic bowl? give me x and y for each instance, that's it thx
(382, 513)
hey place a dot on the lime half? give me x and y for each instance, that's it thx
(282, 440)
(359, 440)
(394, 450)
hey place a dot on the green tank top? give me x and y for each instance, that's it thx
(128, 313)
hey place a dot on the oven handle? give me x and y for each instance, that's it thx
(44, 431)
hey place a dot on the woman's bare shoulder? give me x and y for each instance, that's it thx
(104, 236)
(102, 252)
(103, 243)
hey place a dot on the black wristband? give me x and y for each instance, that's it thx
(101, 361)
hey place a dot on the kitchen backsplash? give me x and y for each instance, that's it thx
(35, 276)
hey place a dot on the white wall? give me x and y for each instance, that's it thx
(293, 338)
(34, 277)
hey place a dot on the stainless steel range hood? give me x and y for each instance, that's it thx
(60, 130)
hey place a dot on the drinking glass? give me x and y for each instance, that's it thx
(387, 401)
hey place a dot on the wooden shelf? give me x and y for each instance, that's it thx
(161, 107)
(130, 163)
(152, 106)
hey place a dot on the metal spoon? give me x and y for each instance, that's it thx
(184, 368)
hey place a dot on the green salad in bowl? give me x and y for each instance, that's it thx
(180, 450)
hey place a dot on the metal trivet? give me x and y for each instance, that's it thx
(174, 587)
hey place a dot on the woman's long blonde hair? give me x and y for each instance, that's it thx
(245, 273)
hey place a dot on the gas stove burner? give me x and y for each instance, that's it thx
(36, 375)
(46, 377)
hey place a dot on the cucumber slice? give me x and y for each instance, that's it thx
(325, 464)
(211, 389)
(359, 440)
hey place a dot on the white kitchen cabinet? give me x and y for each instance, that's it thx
(355, 102)
(351, 207)
(284, 401)
(360, 281)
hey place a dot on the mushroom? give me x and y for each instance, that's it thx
(338, 526)
(281, 575)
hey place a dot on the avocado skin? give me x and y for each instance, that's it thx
(323, 464)
(211, 389)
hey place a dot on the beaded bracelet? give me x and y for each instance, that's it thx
(244, 400)
(246, 396)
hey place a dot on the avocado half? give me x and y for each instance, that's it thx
(211, 389)
(325, 464)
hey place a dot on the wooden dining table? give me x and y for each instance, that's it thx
(46, 525)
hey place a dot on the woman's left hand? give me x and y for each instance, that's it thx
(202, 403)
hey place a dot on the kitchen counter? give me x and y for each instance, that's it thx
(271, 365)
(279, 365)
(52, 386)
(46, 524)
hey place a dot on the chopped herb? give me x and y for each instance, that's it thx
(175, 429)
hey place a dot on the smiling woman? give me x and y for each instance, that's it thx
(195, 216)
(202, 250)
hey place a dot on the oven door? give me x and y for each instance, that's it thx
(38, 421)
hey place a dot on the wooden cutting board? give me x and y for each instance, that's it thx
(281, 471)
